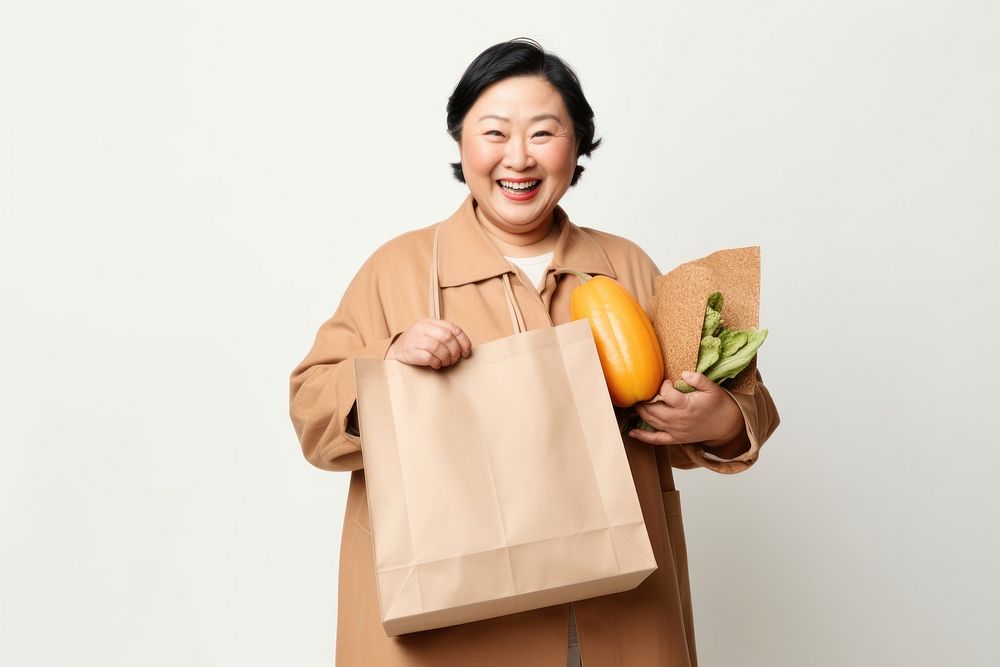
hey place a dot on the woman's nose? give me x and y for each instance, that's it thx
(517, 155)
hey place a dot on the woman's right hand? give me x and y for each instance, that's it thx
(430, 342)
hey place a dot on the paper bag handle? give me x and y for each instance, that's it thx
(516, 319)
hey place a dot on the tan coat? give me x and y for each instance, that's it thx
(650, 625)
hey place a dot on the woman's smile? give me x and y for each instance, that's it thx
(519, 189)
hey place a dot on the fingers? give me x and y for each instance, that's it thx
(443, 346)
(653, 437)
(456, 339)
(429, 352)
(452, 344)
(672, 397)
(464, 343)
(656, 414)
(435, 343)
(699, 381)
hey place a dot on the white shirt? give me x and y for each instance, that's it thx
(534, 267)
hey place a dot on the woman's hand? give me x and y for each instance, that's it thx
(708, 415)
(430, 342)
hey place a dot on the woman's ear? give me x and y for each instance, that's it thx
(456, 167)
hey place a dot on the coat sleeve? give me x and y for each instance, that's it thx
(323, 394)
(761, 418)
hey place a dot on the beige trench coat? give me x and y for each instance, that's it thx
(649, 625)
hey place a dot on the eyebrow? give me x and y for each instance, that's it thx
(541, 116)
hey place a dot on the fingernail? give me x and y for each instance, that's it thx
(687, 375)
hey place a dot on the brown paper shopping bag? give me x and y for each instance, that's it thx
(678, 307)
(499, 484)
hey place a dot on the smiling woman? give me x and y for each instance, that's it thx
(521, 123)
(518, 159)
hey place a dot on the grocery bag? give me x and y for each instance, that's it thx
(499, 484)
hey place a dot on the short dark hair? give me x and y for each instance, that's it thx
(522, 57)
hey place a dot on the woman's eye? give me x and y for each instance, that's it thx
(543, 133)
(494, 133)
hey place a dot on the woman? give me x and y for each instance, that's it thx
(521, 123)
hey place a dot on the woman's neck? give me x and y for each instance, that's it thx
(536, 242)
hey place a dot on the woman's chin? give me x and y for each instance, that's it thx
(520, 216)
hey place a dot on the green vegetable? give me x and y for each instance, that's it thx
(724, 352)
(713, 321)
(732, 341)
(646, 427)
(709, 352)
(729, 367)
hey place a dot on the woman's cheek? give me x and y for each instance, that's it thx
(480, 157)
(560, 156)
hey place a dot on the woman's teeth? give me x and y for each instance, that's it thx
(519, 187)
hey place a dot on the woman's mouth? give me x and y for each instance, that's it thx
(519, 190)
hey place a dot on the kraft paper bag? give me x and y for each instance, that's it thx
(499, 484)
(678, 308)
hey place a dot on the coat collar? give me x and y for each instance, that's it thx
(467, 255)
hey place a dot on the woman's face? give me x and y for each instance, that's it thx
(518, 153)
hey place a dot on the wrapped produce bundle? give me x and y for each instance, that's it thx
(694, 334)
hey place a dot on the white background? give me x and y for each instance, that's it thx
(187, 187)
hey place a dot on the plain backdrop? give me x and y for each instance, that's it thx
(187, 187)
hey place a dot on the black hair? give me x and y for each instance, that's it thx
(522, 57)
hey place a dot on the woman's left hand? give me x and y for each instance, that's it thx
(708, 415)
